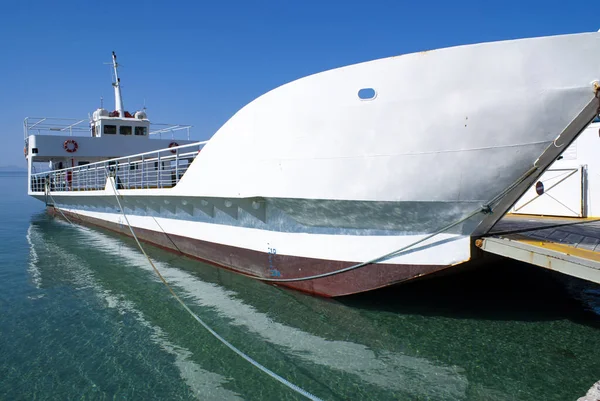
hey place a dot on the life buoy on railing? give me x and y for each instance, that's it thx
(71, 145)
(25, 151)
(172, 145)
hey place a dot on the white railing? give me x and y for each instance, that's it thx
(57, 126)
(74, 127)
(171, 131)
(158, 169)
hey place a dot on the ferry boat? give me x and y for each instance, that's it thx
(339, 182)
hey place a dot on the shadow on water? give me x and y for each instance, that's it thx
(500, 289)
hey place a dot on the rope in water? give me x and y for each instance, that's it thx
(483, 209)
(264, 369)
(269, 372)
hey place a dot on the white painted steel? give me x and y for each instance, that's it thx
(117, 86)
(457, 124)
(585, 151)
(449, 249)
(561, 196)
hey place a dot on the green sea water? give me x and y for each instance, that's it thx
(84, 317)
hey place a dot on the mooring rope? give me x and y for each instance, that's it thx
(57, 208)
(486, 208)
(264, 369)
(378, 259)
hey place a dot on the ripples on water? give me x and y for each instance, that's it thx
(84, 317)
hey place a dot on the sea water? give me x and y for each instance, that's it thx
(83, 316)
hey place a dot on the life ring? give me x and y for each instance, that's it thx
(25, 151)
(172, 145)
(70, 145)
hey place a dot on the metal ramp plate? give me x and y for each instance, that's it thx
(563, 258)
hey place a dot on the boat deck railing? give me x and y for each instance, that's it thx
(157, 169)
(170, 131)
(75, 127)
(55, 126)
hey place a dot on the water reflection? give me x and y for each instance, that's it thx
(389, 371)
(204, 384)
(494, 334)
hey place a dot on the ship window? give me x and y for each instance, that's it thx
(110, 129)
(125, 130)
(82, 163)
(597, 119)
(140, 130)
(366, 94)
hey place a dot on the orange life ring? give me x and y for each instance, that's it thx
(25, 151)
(172, 145)
(70, 146)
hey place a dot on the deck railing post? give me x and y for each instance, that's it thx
(176, 167)
(159, 172)
(142, 177)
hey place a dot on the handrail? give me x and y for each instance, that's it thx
(56, 124)
(48, 125)
(172, 128)
(176, 148)
(162, 168)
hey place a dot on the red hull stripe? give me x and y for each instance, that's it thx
(267, 265)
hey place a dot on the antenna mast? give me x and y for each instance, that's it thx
(117, 86)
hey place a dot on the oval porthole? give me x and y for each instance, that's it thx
(367, 94)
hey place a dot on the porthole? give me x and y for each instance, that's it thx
(367, 94)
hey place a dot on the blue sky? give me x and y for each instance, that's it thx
(198, 62)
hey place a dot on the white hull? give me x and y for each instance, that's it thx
(451, 248)
(312, 172)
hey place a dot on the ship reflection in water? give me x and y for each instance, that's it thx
(111, 329)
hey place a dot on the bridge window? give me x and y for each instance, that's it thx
(110, 129)
(597, 119)
(125, 130)
(140, 130)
